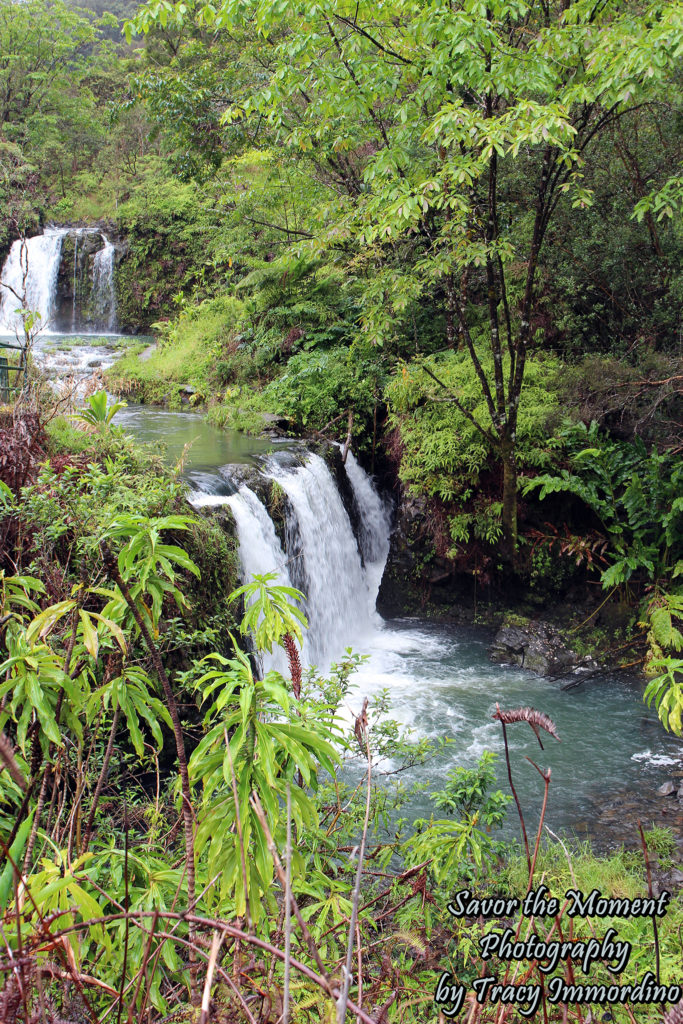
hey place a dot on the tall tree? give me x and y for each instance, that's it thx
(448, 133)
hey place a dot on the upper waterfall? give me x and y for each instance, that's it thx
(66, 275)
(30, 276)
(103, 285)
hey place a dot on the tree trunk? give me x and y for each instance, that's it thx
(509, 500)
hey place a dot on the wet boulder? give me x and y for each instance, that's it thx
(666, 789)
(537, 646)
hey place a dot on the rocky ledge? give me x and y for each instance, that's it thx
(539, 647)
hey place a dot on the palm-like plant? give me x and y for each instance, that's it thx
(96, 413)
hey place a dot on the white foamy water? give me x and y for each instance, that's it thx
(657, 760)
(103, 285)
(30, 271)
(340, 594)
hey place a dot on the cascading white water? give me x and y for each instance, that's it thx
(104, 292)
(374, 516)
(31, 271)
(323, 556)
(260, 550)
(74, 285)
(340, 598)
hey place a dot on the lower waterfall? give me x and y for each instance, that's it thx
(260, 552)
(341, 598)
(338, 572)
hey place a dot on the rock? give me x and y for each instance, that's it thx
(666, 789)
(77, 303)
(418, 580)
(537, 646)
(275, 419)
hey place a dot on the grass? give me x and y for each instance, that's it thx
(620, 874)
(185, 356)
(661, 840)
(240, 408)
(65, 437)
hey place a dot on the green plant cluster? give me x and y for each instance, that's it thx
(634, 494)
(317, 387)
(445, 456)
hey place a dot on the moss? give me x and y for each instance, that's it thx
(212, 544)
(513, 619)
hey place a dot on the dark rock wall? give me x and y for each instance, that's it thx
(76, 307)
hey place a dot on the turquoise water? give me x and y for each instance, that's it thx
(440, 680)
(441, 683)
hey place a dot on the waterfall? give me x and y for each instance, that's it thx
(374, 516)
(31, 269)
(74, 285)
(104, 297)
(338, 573)
(260, 551)
(340, 597)
(72, 291)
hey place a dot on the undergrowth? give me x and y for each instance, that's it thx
(175, 825)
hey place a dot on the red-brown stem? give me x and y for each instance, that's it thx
(514, 793)
(655, 929)
(100, 781)
(546, 779)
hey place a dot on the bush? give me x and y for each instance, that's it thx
(318, 386)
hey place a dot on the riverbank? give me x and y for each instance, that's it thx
(420, 577)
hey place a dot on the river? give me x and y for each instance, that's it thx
(439, 678)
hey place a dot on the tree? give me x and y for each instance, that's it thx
(448, 134)
(40, 50)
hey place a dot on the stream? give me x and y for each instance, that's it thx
(439, 678)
